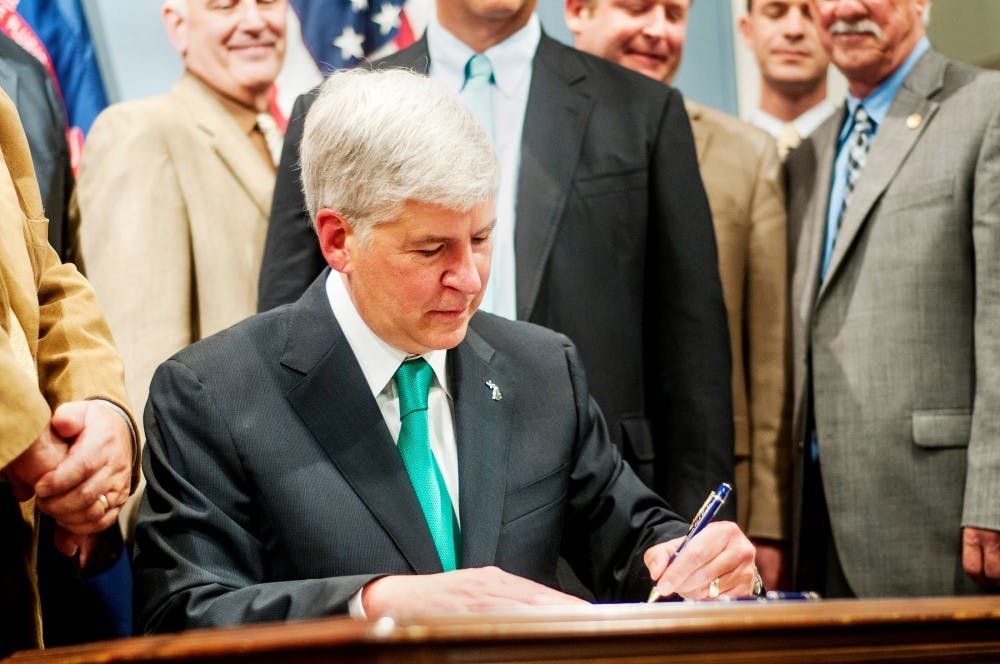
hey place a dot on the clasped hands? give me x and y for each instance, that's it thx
(720, 552)
(79, 469)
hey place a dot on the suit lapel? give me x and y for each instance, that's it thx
(228, 141)
(8, 82)
(415, 57)
(702, 137)
(482, 427)
(555, 122)
(822, 147)
(333, 400)
(892, 145)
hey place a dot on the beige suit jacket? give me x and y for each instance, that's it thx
(742, 175)
(54, 347)
(174, 200)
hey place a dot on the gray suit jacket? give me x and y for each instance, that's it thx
(896, 353)
(282, 500)
(614, 248)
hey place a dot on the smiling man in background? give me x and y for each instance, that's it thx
(174, 190)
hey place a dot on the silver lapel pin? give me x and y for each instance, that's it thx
(494, 391)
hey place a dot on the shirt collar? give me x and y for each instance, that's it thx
(511, 58)
(877, 103)
(805, 124)
(378, 359)
(246, 117)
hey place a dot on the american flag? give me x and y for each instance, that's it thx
(56, 33)
(325, 35)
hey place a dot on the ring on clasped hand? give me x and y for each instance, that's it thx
(103, 500)
(713, 588)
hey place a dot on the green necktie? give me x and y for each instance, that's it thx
(413, 380)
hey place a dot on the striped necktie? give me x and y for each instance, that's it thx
(272, 135)
(858, 144)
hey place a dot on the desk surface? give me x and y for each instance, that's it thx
(895, 630)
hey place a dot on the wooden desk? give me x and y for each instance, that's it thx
(912, 630)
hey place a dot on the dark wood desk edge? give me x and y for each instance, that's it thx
(677, 621)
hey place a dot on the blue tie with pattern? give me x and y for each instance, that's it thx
(857, 150)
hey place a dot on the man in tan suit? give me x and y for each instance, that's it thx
(175, 191)
(785, 41)
(742, 176)
(67, 445)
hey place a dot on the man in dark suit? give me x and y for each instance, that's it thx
(29, 85)
(292, 500)
(895, 310)
(603, 233)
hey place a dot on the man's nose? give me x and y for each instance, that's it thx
(655, 24)
(795, 22)
(463, 273)
(251, 17)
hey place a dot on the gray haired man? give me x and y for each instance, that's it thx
(398, 451)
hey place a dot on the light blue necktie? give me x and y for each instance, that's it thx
(476, 91)
(413, 381)
(477, 95)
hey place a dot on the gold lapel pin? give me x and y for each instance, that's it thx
(914, 121)
(494, 391)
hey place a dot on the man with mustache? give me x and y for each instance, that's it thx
(399, 452)
(783, 37)
(895, 311)
(174, 190)
(742, 175)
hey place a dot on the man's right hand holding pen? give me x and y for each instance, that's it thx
(719, 562)
(720, 556)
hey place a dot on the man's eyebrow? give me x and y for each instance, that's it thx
(488, 227)
(428, 239)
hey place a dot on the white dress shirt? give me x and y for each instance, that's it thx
(379, 362)
(805, 124)
(511, 60)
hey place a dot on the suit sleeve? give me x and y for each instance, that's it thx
(136, 241)
(688, 337)
(982, 483)
(74, 357)
(612, 516)
(292, 258)
(767, 334)
(199, 561)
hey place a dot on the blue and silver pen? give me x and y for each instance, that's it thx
(704, 516)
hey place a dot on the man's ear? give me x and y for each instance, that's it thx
(576, 12)
(336, 238)
(176, 26)
(745, 30)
